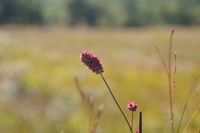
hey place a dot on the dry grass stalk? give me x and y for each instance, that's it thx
(168, 71)
(188, 99)
(170, 81)
(191, 118)
(90, 102)
(194, 94)
(98, 114)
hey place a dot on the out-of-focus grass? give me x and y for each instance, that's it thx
(38, 66)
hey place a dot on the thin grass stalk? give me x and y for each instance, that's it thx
(163, 62)
(174, 87)
(191, 118)
(170, 84)
(89, 101)
(174, 82)
(81, 93)
(194, 94)
(168, 71)
(91, 112)
(99, 111)
(116, 103)
(148, 121)
(186, 103)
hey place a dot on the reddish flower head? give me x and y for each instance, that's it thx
(132, 106)
(91, 61)
(136, 131)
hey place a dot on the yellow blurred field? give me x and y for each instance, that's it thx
(38, 66)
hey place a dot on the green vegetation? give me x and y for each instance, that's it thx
(20, 12)
(110, 13)
(38, 66)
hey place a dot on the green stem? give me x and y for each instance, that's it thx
(132, 121)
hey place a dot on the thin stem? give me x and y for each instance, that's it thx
(169, 79)
(194, 93)
(168, 71)
(89, 102)
(162, 60)
(191, 118)
(174, 80)
(99, 111)
(116, 102)
(186, 103)
(132, 121)
(80, 91)
(175, 68)
(174, 83)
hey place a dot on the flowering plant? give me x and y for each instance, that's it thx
(94, 64)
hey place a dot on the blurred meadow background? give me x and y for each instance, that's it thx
(40, 45)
